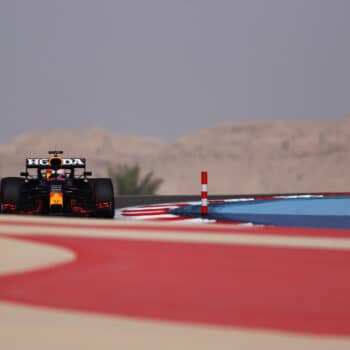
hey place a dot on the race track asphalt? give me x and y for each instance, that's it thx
(77, 283)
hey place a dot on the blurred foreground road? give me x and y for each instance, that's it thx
(72, 283)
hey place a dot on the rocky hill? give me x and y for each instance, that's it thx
(240, 158)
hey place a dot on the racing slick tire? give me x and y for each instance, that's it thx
(11, 194)
(104, 198)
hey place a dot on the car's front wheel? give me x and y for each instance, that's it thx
(11, 194)
(103, 194)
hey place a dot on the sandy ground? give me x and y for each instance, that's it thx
(24, 327)
(29, 327)
(19, 256)
(269, 157)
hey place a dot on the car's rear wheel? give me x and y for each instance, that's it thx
(11, 194)
(104, 198)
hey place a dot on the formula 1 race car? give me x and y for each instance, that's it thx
(55, 188)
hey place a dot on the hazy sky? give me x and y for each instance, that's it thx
(165, 68)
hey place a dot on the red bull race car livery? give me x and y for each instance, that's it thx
(57, 186)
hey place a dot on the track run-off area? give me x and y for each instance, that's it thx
(85, 283)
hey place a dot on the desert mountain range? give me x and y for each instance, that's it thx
(278, 156)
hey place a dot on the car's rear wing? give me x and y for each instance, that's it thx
(45, 163)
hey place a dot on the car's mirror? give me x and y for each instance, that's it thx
(87, 173)
(24, 173)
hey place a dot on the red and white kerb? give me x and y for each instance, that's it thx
(204, 194)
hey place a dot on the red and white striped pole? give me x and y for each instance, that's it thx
(204, 194)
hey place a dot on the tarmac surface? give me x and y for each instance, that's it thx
(83, 283)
